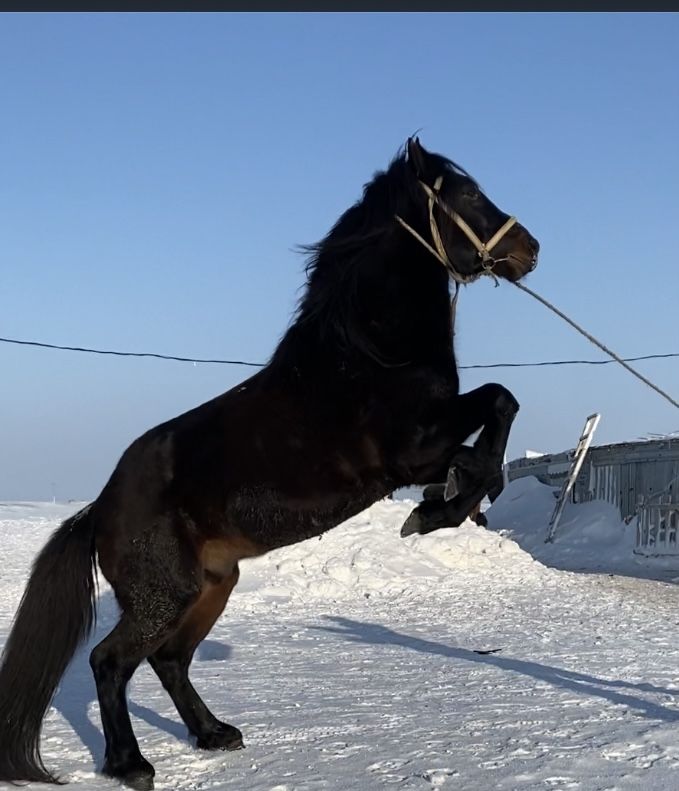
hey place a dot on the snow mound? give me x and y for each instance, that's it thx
(363, 557)
(591, 536)
(523, 508)
(366, 556)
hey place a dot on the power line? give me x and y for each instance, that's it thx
(260, 365)
(128, 354)
(572, 362)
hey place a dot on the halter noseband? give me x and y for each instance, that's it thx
(439, 251)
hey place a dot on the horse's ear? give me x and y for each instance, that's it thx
(417, 157)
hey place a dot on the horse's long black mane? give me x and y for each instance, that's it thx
(390, 192)
(346, 268)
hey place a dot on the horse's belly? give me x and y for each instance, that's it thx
(272, 520)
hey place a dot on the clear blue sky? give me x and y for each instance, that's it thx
(157, 171)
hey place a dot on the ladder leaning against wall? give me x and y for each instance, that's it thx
(578, 458)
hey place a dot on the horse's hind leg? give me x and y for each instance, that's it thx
(155, 587)
(171, 662)
(113, 662)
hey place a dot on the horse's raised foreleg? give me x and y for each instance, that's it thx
(473, 470)
(171, 663)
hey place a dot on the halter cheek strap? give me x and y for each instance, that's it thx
(439, 251)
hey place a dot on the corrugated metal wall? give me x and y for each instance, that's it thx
(624, 474)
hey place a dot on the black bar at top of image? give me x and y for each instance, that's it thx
(340, 5)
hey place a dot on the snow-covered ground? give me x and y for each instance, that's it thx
(357, 661)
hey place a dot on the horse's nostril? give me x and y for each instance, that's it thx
(534, 245)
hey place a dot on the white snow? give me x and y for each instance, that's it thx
(350, 662)
(590, 536)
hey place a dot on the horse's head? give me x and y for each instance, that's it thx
(462, 227)
(369, 290)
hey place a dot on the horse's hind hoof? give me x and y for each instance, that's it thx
(225, 737)
(140, 778)
(139, 781)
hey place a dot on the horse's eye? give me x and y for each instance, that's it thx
(472, 194)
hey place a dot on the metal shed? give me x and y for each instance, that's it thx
(641, 478)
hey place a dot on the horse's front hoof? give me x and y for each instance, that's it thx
(430, 515)
(139, 777)
(225, 737)
(412, 525)
(433, 491)
(481, 519)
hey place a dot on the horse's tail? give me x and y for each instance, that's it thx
(56, 613)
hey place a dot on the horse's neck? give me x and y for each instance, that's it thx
(401, 317)
(413, 312)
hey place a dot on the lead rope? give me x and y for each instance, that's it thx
(484, 252)
(439, 251)
(453, 306)
(593, 340)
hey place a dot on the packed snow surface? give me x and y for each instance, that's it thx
(355, 661)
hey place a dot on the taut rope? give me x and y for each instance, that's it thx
(483, 250)
(593, 340)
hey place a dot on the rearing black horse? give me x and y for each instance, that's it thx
(360, 397)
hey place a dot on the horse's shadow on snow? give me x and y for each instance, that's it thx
(77, 690)
(580, 683)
